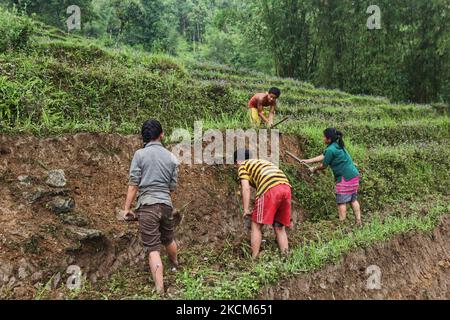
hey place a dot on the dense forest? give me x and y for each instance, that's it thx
(406, 56)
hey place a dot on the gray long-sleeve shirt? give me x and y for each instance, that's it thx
(154, 170)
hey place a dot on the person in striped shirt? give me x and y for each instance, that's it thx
(273, 198)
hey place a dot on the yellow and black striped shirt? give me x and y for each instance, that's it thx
(262, 175)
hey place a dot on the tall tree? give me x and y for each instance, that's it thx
(53, 12)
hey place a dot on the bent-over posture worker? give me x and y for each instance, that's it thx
(257, 104)
(273, 198)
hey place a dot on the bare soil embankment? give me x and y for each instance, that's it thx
(46, 228)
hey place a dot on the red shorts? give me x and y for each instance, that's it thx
(274, 206)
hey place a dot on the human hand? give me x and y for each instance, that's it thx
(129, 215)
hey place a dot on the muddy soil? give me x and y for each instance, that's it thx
(37, 244)
(412, 266)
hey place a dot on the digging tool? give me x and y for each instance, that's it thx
(178, 213)
(280, 122)
(298, 159)
(305, 164)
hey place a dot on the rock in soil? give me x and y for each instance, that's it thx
(6, 271)
(83, 234)
(74, 219)
(56, 178)
(56, 280)
(41, 193)
(22, 273)
(61, 205)
(34, 196)
(12, 282)
(24, 180)
(37, 276)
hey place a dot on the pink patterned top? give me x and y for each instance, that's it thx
(347, 187)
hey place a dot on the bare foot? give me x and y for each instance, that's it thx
(173, 265)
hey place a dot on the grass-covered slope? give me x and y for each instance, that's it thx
(52, 83)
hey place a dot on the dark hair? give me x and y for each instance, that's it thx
(151, 130)
(238, 154)
(275, 91)
(335, 136)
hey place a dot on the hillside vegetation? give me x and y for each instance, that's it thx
(399, 49)
(54, 84)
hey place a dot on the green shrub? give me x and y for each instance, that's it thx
(15, 30)
(392, 133)
(387, 175)
(166, 64)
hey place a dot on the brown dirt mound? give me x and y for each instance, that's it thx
(413, 266)
(36, 244)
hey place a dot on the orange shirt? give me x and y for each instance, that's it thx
(263, 97)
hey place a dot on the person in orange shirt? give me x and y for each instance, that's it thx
(257, 104)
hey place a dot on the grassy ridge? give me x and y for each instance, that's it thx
(239, 278)
(388, 175)
(55, 83)
(309, 256)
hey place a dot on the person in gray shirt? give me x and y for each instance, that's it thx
(153, 177)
